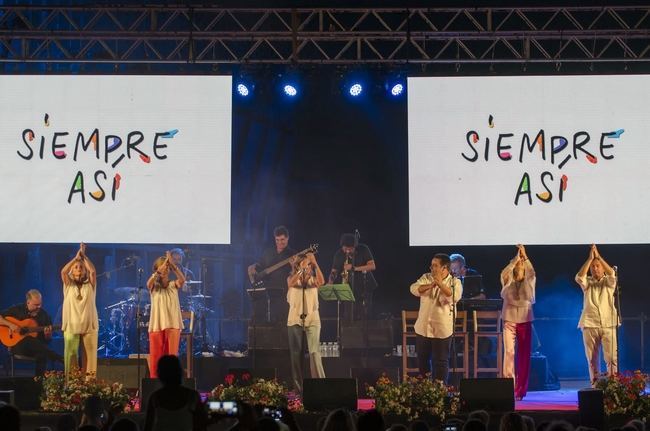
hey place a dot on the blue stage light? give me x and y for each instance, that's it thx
(397, 89)
(290, 90)
(356, 89)
(242, 89)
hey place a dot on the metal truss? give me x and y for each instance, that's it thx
(212, 35)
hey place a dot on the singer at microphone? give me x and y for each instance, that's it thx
(599, 318)
(438, 292)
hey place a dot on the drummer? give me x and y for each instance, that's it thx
(178, 255)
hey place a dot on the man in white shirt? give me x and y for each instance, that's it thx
(518, 293)
(599, 318)
(439, 292)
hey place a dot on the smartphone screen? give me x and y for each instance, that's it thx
(229, 408)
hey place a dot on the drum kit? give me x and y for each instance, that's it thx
(119, 336)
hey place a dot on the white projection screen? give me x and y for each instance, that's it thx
(534, 160)
(115, 159)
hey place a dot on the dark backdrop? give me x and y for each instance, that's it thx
(324, 164)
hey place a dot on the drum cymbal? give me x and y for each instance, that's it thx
(128, 290)
(199, 296)
(117, 304)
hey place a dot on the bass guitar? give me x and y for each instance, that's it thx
(257, 279)
(28, 328)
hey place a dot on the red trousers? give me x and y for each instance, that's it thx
(161, 343)
(517, 341)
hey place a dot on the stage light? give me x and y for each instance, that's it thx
(397, 89)
(243, 90)
(290, 90)
(356, 89)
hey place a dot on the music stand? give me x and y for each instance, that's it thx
(338, 293)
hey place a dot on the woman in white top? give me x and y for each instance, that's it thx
(303, 282)
(165, 322)
(518, 293)
(79, 317)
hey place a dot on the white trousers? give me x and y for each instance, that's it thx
(594, 338)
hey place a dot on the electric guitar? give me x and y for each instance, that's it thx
(28, 328)
(257, 279)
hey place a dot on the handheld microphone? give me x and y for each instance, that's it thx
(615, 268)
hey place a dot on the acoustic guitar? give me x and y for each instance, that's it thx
(257, 279)
(28, 328)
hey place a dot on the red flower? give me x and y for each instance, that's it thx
(230, 379)
(246, 377)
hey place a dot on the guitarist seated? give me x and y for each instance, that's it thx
(35, 347)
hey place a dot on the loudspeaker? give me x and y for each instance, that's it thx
(7, 397)
(541, 377)
(591, 408)
(243, 375)
(124, 371)
(27, 392)
(329, 394)
(151, 385)
(493, 394)
(369, 376)
(369, 334)
(271, 337)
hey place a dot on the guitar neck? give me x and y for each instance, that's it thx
(280, 264)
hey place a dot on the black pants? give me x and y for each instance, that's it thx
(39, 351)
(433, 351)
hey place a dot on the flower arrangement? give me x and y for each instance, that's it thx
(414, 397)
(624, 393)
(57, 396)
(251, 391)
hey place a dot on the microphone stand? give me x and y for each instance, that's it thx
(303, 318)
(453, 325)
(140, 272)
(619, 320)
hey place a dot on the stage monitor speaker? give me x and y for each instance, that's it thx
(27, 392)
(368, 377)
(541, 377)
(491, 394)
(149, 386)
(244, 375)
(591, 408)
(268, 337)
(7, 397)
(329, 394)
(370, 334)
(122, 370)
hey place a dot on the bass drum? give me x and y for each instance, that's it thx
(144, 333)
